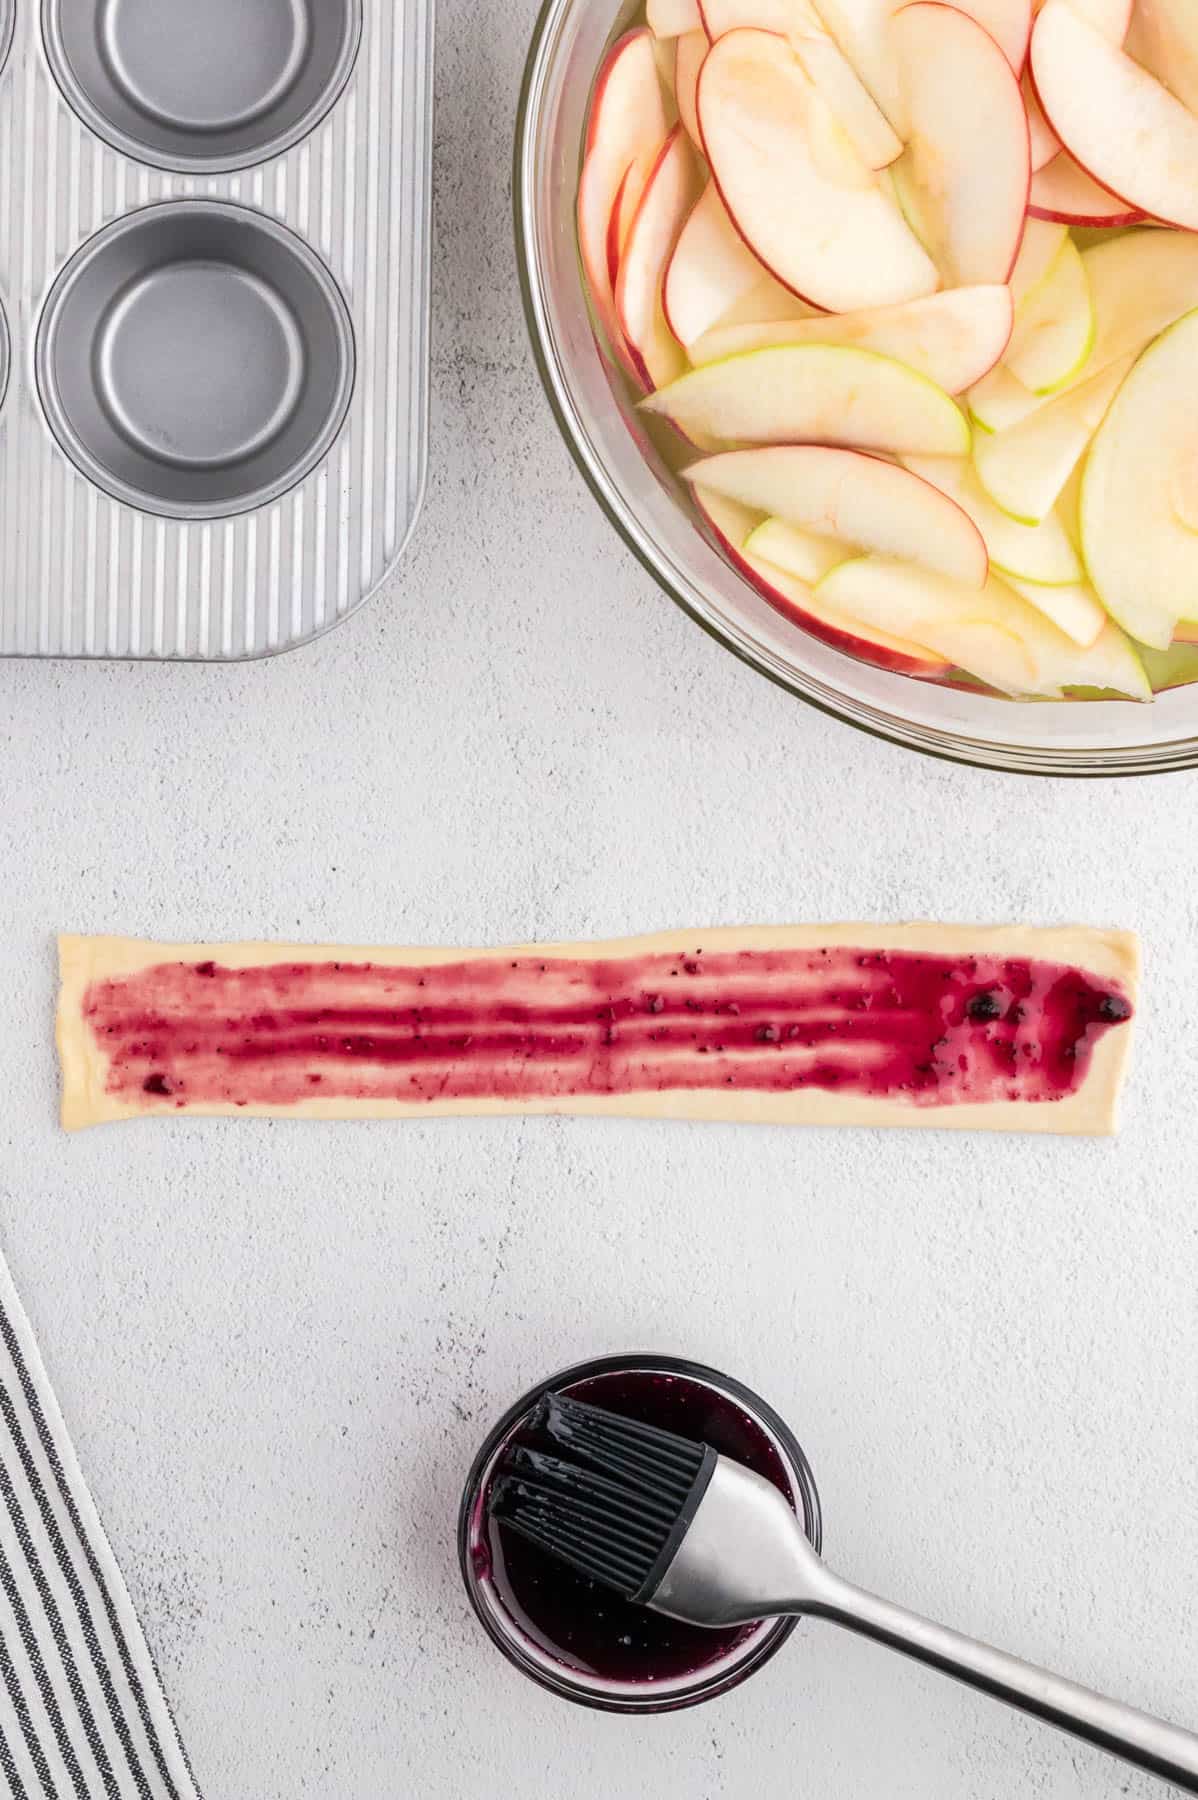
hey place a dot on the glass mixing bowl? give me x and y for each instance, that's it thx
(640, 495)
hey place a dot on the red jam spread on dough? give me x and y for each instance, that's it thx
(889, 1024)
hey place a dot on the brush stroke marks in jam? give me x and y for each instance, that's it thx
(935, 1031)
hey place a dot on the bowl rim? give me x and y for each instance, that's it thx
(1068, 762)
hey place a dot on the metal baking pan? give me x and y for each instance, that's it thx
(214, 243)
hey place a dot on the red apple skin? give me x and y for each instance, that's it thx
(1123, 212)
(665, 286)
(596, 256)
(933, 669)
(1120, 214)
(613, 231)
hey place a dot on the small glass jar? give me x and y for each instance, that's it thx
(731, 1662)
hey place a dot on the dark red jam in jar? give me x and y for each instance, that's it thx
(581, 1638)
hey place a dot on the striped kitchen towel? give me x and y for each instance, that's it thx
(82, 1713)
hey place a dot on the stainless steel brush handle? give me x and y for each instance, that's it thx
(1163, 1749)
(745, 1556)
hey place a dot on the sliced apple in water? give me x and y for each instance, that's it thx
(1164, 39)
(1041, 245)
(1075, 610)
(802, 554)
(963, 179)
(865, 124)
(1141, 284)
(627, 126)
(1139, 503)
(862, 30)
(875, 141)
(999, 402)
(827, 230)
(768, 301)
(1111, 664)
(1054, 326)
(732, 525)
(710, 270)
(671, 18)
(859, 500)
(1041, 553)
(669, 197)
(786, 17)
(1025, 469)
(1045, 143)
(1009, 23)
(1118, 122)
(951, 338)
(1110, 17)
(1063, 191)
(978, 631)
(815, 394)
(688, 60)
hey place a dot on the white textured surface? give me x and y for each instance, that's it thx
(278, 1346)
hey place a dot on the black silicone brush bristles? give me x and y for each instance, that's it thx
(619, 1509)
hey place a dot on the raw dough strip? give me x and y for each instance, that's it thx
(1002, 1028)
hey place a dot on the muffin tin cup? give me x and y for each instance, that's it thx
(201, 87)
(195, 359)
(214, 267)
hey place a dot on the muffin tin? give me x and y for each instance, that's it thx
(214, 227)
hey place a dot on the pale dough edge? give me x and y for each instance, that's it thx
(1092, 1111)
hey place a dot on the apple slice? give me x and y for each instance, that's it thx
(787, 17)
(802, 554)
(1040, 553)
(627, 126)
(963, 180)
(1141, 284)
(1063, 191)
(1110, 17)
(1164, 39)
(999, 402)
(815, 394)
(1139, 504)
(1054, 327)
(874, 139)
(1009, 23)
(951, 338)
(1041, 246)
(766, 302)
(732, 525)
(860, 500)
(688, 60)
(1115, 118)
(1045, 143)
(865, 124)
(827, 230)
(977, 631)
(1025, 469)
(672, 18)
(669, 196)
(710, 270)
(862, 30)
(1112, 664)
(1075, 610)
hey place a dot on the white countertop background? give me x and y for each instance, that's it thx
(278, 1345)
